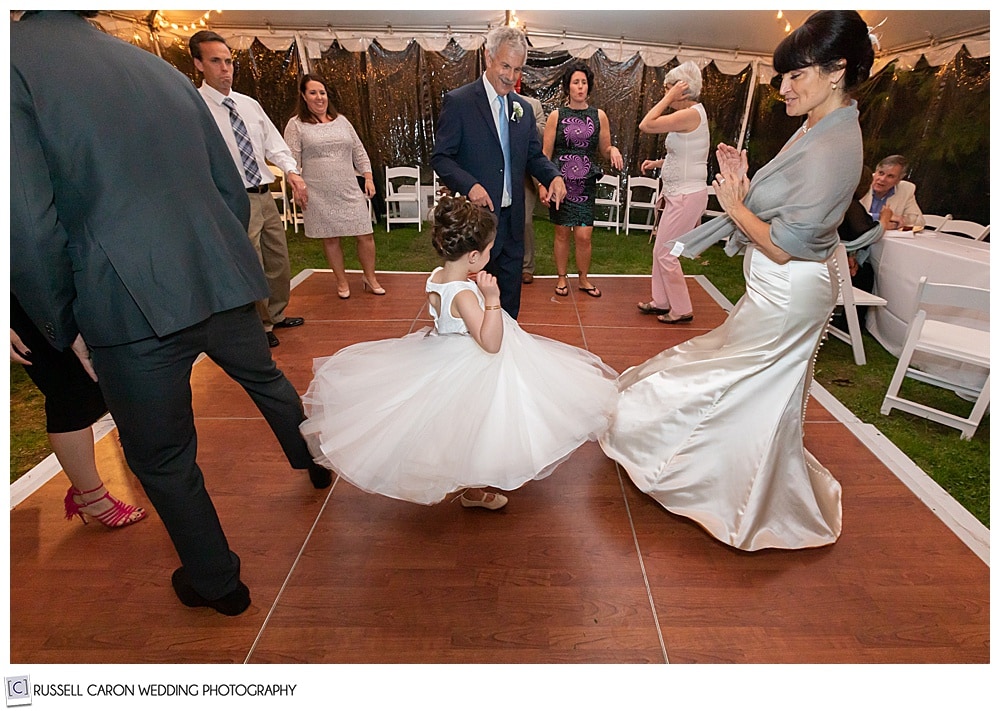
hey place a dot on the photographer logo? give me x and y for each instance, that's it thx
(18, 690)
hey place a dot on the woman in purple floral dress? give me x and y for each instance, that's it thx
(577, 137)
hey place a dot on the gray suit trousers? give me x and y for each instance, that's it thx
(147, 387)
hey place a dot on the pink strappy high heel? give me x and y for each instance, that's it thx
(117, 515)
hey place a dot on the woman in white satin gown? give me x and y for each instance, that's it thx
(712, 429)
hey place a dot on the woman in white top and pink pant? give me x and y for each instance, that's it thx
(684, 172)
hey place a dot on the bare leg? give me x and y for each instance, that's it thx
(560, 250)
(335, 258)
(582, 237)
(75, 452)
(366, 255)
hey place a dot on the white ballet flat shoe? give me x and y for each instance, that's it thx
(490, 500)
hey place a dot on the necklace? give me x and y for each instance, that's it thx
(805, 128)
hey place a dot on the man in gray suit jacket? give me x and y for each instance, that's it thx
(128, 239)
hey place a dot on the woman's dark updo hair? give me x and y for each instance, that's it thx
(573, 69)
(460, 227)
(302, 108)
(825, 39)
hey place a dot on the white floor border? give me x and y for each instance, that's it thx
(963, 524)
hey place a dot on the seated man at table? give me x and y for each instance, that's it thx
(890, 190)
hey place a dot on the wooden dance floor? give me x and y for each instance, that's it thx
(579, 568)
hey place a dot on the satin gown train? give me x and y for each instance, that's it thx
(712, 428)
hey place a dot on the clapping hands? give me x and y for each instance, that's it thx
(731, 183)
(731, 160)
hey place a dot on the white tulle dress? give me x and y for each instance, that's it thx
(419, 417)
(712, 428)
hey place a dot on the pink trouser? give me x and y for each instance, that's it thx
(681, 214)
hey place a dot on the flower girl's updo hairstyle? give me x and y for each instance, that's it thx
(460, 227)
(825, 39)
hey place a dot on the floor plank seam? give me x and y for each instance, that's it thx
(642, 567)
(291, 571)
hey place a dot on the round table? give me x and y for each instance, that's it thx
(900, 259)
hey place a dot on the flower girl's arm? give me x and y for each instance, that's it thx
(484, 326)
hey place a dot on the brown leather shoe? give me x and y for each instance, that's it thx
(527, 278)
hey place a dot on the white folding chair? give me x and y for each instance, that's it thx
(402, 197)
(436, 183)
(611, 199)
(292, 212)
(708, 211)
(636, 186)
(850, 297)
(935, 222)
(936, 336)
(278, 193)
(966, 228)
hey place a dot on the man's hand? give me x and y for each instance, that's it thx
(82, 352)
(479, 196)
(557, 191)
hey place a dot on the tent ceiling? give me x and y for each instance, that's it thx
(748, 31)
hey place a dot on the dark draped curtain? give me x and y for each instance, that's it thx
(178, 54)
(271, 77)
(393, 99)
(936, 116)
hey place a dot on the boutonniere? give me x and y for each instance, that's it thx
(517, 113)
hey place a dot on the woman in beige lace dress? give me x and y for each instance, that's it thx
(331, 155)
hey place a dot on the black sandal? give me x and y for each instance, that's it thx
(564, 289)
(591, 291)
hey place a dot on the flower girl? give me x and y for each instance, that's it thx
(473, 402)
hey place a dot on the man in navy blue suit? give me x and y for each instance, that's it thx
(485, 142)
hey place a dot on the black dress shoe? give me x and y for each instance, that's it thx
(272, 340)
(290, 322)
(229, 604)
(320, 476)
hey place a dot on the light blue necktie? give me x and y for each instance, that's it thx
(505, 144)
(243, 143)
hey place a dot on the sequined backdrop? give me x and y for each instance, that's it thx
(936, 116)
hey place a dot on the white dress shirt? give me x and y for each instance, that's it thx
(267, 142)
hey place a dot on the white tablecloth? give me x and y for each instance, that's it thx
(899, 262)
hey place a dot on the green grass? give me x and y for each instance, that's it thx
(961, 468)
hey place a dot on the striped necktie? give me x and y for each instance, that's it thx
(250, 169)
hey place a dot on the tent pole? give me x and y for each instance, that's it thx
(746, 109)
(303, 56)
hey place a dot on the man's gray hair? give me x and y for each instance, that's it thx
(894, 160)
(506, 35)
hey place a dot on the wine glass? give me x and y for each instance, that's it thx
(913, 221)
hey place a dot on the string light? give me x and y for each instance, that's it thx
(781, 16)
(162, 21)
